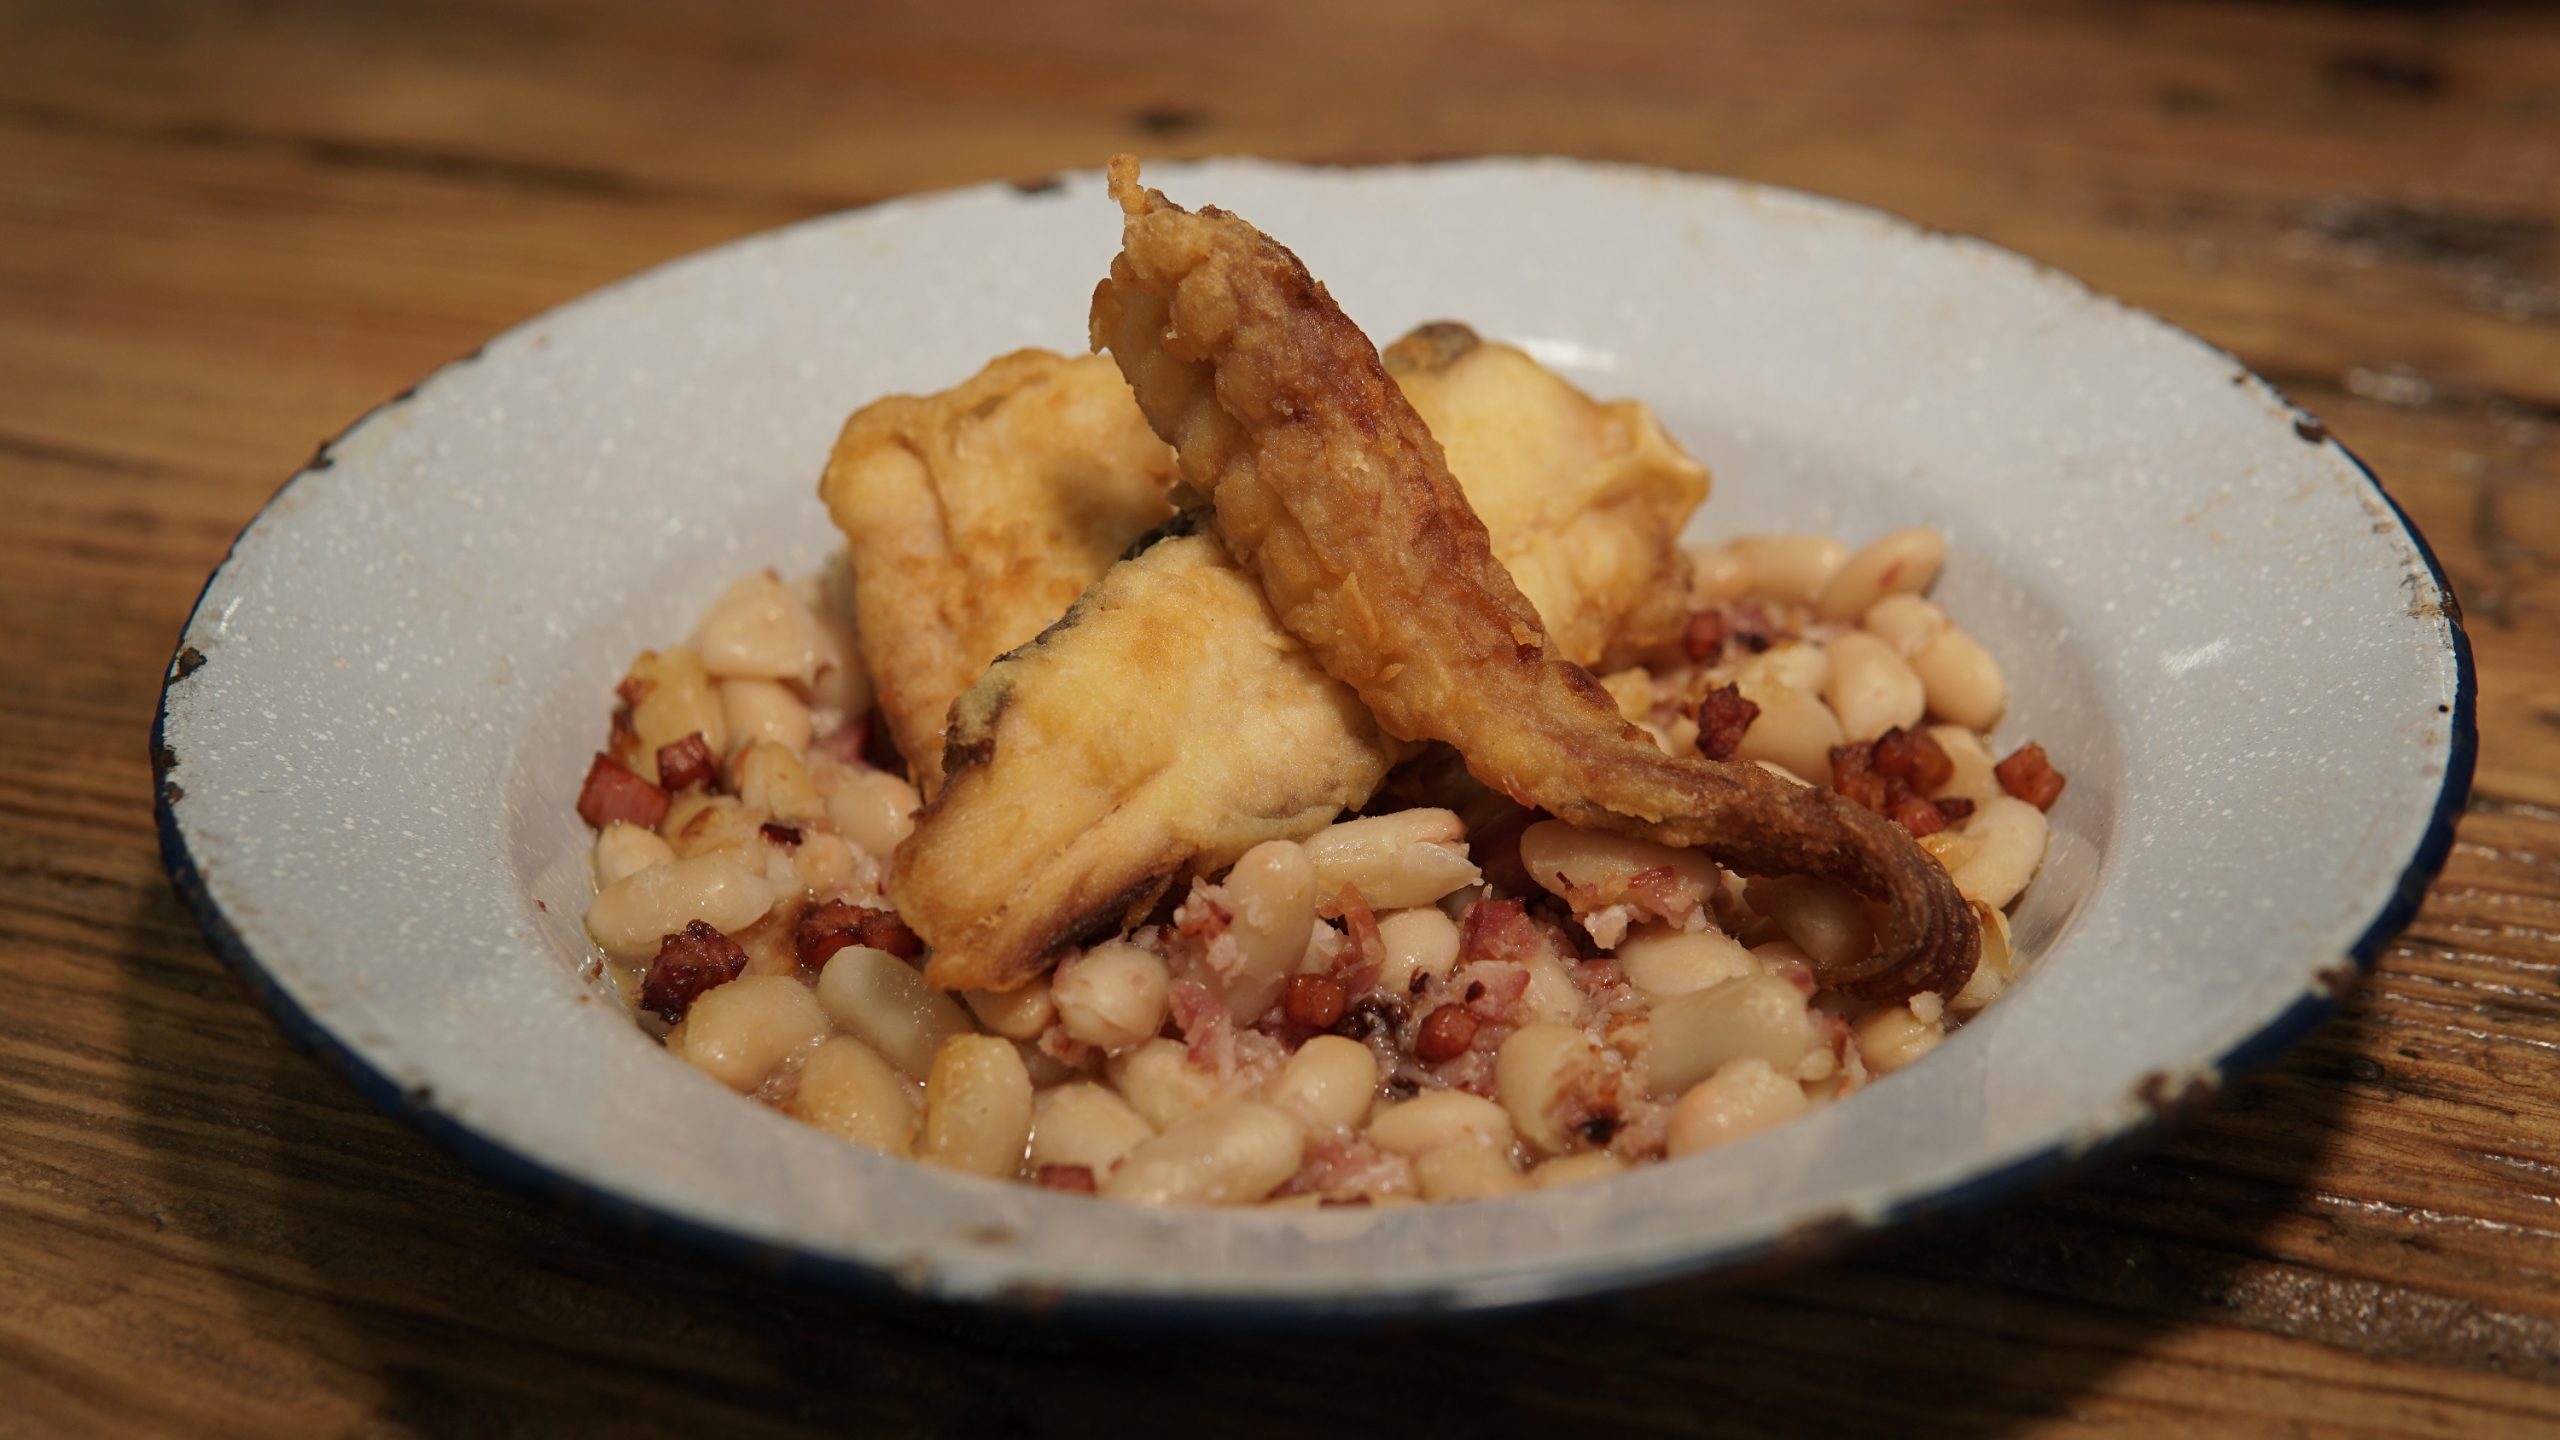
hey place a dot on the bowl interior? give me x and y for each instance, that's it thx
(2215, 624)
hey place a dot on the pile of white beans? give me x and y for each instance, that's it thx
(1169, 1067)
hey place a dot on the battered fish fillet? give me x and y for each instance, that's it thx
(1095, 778)
(1584, 501)
(976, 516)
(1326, 485)
(1165, 726)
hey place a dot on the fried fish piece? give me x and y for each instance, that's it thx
(976, 516)
(1002, 871)
(1074, 808)
(1324, 482)
(1584, 501)
(1164, 727)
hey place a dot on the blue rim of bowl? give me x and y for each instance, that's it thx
(528, 1174)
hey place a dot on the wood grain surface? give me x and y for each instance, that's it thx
(228, 227)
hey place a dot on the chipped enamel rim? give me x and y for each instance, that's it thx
(1041, 1254)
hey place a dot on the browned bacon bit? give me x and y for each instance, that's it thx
(689, 962)
(1498, 930)
(2031, 777)
(613, 791)
(1368, 946)
(1888, 773)
(687, 763)
(1445, 1034)
(1853, 774)
(825, 929)
(1335, 1202)
(1914, 756)
(1953, 808)
(1705, 638)
(1315, 1001)
(1074, 1179)
(1917, 815)
(1723, 717)
(786, 836)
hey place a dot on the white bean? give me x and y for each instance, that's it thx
(882, 1001)
(1759, 1017)
(629, 917)
(1420, 941)
(1436, 1118)
(1330, 1081)
(1790, 567)
(671, 697)
(829, 867)
(1467, 1170)
(1717, 573)
(765, 710)
(847, 1090)
(1793, 729)
(1579, 1169)
(1398, 860)
(1111, 996)
(1826, 920)
(1538, 1074)
(1564, 860)
(1662, 961)
(1226, 1155)
(874, 809)
(1891, 1037)
(1020, 1013)
(1160, 1082)
(1272, 890)
(1962, 681)
(1084, 1124)
(624, 850)
(1743, 1097)
(737, 1033)
(1974, 779)
(760, 629)
(1872, 689)
(1902, 563)
(771, 778)
(1995, 851)
(1905, 622)
(1805, 666)
(699, 823)
(977, 1108)
(1551, 994)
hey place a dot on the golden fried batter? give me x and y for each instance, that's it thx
(1584, 501)
(1326, 485)
(1165, 726)
(974, 518)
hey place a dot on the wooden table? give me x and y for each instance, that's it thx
(228, 228)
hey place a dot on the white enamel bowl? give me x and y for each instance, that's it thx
(2210, 614)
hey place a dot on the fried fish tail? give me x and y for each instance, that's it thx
(1327, 486)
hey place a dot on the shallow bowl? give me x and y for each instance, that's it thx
(2210, 613)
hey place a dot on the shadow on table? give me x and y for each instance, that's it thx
(445, 1305)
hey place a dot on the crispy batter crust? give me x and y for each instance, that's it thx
(975, 516)
(1329, 488)
(1165, 726)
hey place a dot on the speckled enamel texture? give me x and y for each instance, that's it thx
(2210, 615)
